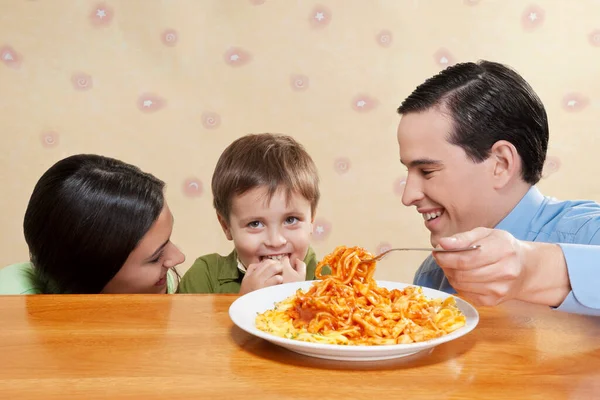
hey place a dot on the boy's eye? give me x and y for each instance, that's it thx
(291, 220)
(426, 172)
(255, 224)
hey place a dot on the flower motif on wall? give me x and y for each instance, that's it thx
(211, 120)
(101, 15)
(399, 185)
(169, 37)
(150, 103)
(81, 81)
(10, 57)
(594, 38)
(49, 139)
(532, 17)
(383, 246)
(192, 187)
(364, 103)
(299, 83)
(574, 102)
(342, 165)
(320, 17)
(237, 57)
(443, 58)
(321, 229)
(551, 165)
(384, 38)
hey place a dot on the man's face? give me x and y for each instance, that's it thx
(450, 191)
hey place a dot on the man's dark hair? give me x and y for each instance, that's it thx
(487, 102)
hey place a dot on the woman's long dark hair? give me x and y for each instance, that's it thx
(86, 215)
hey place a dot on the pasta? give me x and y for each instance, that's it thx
(347, 307)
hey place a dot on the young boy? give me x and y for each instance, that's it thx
(265, 192)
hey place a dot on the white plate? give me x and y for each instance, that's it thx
(243, 313)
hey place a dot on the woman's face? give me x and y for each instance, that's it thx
(145, 270)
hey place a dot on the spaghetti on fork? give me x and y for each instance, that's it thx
(347, 307)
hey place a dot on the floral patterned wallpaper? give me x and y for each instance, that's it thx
(168, 84)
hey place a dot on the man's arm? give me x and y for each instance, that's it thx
(566, 276)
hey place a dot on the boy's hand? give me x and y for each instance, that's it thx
(263, 274)
(297, 273)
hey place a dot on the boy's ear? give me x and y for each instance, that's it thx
(225, 227)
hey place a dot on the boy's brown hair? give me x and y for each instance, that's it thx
(271, 160)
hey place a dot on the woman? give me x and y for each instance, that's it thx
(96, 225)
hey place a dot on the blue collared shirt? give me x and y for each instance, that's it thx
(574, 225)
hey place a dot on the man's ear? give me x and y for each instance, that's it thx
(506, 163)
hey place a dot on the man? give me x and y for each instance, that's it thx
(474, 139)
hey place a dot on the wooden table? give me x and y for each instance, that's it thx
(185, 347)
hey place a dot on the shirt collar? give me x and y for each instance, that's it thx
(517, 222)
(227, 273)
(241, 267)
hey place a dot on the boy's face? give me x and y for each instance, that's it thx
(263, 229)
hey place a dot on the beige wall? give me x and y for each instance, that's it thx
(73, 82)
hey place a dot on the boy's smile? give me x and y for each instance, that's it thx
(269, 229)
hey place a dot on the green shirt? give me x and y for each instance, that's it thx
(20, 279)
(214, 273)
(17, 279)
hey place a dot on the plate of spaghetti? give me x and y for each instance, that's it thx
(347, 315)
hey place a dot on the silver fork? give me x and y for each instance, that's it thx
(380, 256)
